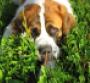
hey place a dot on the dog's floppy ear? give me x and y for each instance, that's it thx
(29, 14)
(67, 19)
(68, 23)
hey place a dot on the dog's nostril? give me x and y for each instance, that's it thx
(45, 49)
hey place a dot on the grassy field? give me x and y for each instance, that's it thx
(18, 59)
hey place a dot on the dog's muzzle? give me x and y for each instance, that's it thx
(46, 53)
(48, 49)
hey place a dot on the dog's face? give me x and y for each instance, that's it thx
(57, 21)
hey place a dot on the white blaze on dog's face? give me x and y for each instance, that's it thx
(44, 42)
(48, 21)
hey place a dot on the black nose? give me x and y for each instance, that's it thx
(45, 49)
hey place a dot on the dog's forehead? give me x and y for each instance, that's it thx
(50, 5)
(47, 8)
(40, 2)
(50, 12)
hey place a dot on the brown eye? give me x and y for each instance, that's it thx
(35, 32)
(52, 30)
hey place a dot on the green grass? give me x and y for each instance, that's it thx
(17, 58)
(74, 64)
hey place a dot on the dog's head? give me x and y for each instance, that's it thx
(47, 23)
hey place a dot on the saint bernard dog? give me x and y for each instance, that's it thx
(47, 20)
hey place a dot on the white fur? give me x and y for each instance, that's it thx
(44, 38)
(8, 31)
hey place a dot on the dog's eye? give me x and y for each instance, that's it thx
(35, 32)
(52, 30)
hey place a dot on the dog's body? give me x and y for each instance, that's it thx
(47, 21)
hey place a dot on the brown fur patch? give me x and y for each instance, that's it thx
(58, 16)
(31, 15)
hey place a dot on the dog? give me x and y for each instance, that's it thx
(47, 22)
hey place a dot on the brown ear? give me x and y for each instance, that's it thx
(67, 19)
(31, 11)
(68, 23)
